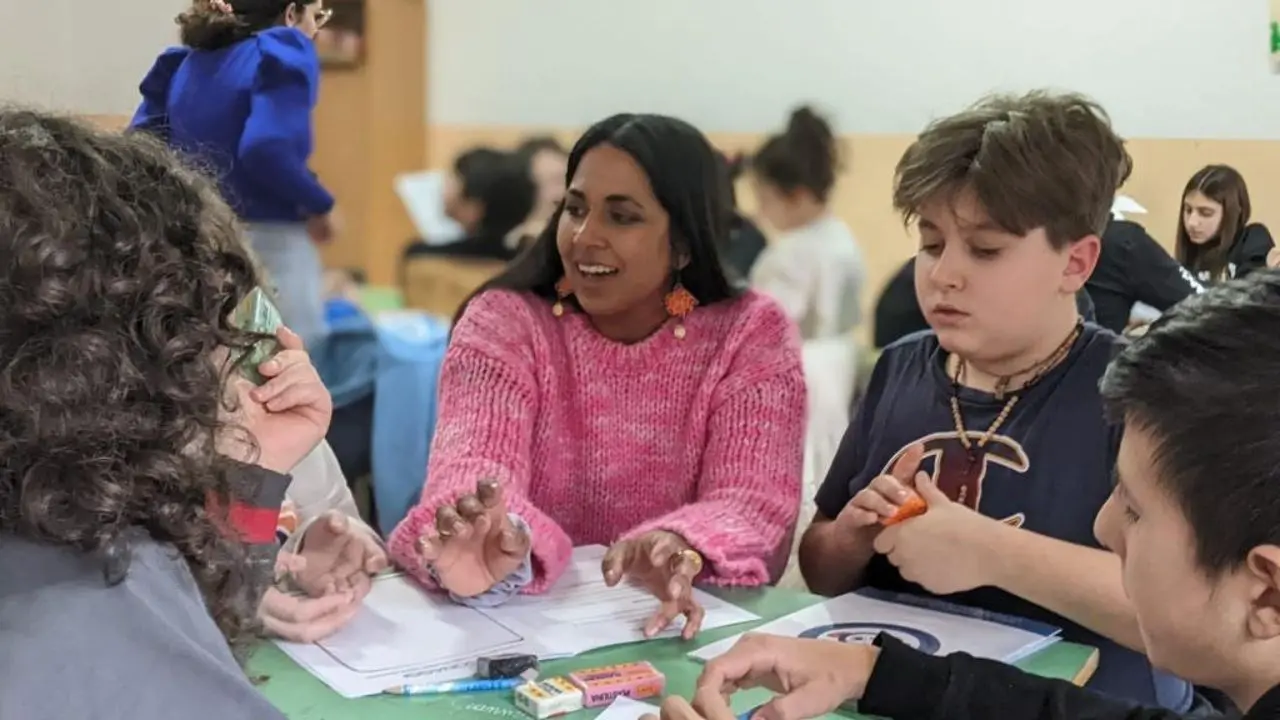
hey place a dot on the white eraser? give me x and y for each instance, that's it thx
(548, 698)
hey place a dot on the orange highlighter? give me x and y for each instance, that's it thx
(913, 506)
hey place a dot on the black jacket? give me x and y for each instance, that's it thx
(909, 685)
(1134, 268)
(1247, 253)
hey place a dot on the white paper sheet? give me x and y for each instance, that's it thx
(423, 196)
(624, 708)
(1124, 205)
(581, 613)
(857, 619)
(404, 635)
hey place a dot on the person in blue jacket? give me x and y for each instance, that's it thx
(237, 97)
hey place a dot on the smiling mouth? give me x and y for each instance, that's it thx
(596, 271)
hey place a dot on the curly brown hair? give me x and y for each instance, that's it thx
(123, 269)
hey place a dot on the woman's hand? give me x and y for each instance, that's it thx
(474, 544)
(337, 556)
(287, 416)
(308, 619)
(664, 564)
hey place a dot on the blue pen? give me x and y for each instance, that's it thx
(459, 686)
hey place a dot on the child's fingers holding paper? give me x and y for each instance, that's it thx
(289, 339)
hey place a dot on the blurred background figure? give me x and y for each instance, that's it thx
(814, 268)
(546, 161)
(745, 242)
(489, 194)
(237, 98)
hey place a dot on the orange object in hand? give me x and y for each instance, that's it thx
(914, 506)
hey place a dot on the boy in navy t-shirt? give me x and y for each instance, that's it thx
(996, 410)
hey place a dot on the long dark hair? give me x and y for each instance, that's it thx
(205, 26)
(124, 268)
(686, 178)
(1224, 185)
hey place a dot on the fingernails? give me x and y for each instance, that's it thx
(270, 366)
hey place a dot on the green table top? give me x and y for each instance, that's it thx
(302, 697)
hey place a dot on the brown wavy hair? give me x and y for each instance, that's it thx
(204, 26)
(123, 269)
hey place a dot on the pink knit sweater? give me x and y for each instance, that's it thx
(595, 440)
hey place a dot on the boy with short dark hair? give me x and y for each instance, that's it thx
(996, 410)
(1194, 520)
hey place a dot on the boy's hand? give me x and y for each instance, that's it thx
(879, 500)
(811, 677)
(945, 550)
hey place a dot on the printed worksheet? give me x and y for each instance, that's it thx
(404, 635)
(925, 624)
(581, 613)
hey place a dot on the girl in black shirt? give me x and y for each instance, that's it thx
(1215, 239)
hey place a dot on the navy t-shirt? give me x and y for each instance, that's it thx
(1047, 469)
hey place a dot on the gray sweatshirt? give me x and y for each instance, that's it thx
(73, 647)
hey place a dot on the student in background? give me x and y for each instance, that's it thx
(238, 97)
(545, 160)
(995, 415)
(612, 386)
(1194, 521)
(1133, 268)
(814, 268)
(1216, 241)
(489, 194)
(745, 242)
(136, 464)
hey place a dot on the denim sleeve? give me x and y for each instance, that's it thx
(508, 586)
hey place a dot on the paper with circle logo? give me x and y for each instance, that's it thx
(927, 625)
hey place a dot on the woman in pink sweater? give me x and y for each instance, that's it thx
(612, 386)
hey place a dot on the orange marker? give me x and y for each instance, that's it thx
(912, 507)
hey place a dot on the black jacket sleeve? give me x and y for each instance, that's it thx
(1158, 279)
(1251, 252)
(908, 685)
(898, 312)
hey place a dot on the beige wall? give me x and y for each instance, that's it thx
(82, 56)
(862, 196)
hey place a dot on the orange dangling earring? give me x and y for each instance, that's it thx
(679, 303)
(562, 291)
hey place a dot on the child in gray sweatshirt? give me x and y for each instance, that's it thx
(140, 476)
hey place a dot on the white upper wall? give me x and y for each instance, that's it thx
(1163, 68)
(82, 56)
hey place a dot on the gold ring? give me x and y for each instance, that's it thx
(694, 557)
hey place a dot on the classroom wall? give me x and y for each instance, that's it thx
(1165, 68)
(862, 196)
(501, 69)
(82, 56)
